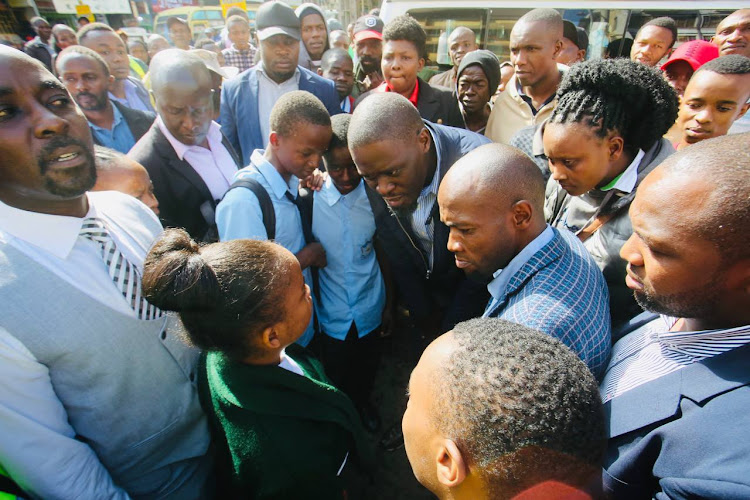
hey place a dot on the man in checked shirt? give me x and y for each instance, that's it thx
(241, 54)
(676, 391)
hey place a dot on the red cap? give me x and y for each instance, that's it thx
(695, 52)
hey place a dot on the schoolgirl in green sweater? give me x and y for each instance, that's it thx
(281, 428)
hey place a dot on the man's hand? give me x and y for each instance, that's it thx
(312, 255)
(315, 181)
(373, 80)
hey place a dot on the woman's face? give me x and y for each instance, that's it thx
(401, 64)
(579, 159)
(296, 302)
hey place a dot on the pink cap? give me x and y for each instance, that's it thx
(695, 52)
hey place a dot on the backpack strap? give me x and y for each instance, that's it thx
(266, 205)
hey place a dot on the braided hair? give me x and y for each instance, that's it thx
(617, 95)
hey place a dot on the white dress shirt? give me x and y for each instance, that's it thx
(268, 93)
(214, 165)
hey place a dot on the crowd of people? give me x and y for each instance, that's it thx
(203, 244)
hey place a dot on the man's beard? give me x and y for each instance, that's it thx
(699, 303)
(369, 64)
(82, 182)
(404, 212)
(100, 101)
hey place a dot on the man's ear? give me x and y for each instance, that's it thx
(273, 138)
(743, 111)
(522, 214)
(451, 467)
(424, 140)
(320, 72)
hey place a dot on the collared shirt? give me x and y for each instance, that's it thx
(421, 220)
(240, 59)
(289, 364)
(652, 351)
(347, 103)
(502, 277)
(268, 93)
(351, 285)
(625, 182)
(119, 138)
(47, 46)
(53, 241)
(528, 100)
(384, 87)
(239, 214)
(214, 165)
(132, 99)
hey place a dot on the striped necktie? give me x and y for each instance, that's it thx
(123, 273)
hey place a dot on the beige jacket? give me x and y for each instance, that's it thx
(511, 113)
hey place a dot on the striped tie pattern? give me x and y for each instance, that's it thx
(123, 273)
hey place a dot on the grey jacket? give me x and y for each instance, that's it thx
(605, 244)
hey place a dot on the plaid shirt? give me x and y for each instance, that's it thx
(241, 59)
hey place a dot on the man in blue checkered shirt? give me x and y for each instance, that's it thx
(492, 200)
(242, 53)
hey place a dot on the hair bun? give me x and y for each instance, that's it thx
(175, 275)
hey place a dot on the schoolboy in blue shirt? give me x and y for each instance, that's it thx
(351, 302)
(300, 133)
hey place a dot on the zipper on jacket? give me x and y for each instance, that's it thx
(426, 264)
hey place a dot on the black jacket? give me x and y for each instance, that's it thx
(184, 199)
(138, 121)
(436, 105)
(444, 292)
(36, 49)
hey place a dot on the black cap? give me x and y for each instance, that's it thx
(176, 20)
(368, 27)
(583, 38)
(570, 32)
(489, 63)
(276, 18)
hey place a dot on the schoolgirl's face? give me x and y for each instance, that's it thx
(297, 304)
(579, 159)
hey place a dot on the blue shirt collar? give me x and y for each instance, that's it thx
(117, 119)
(503, 276)
(331, 195)
(278, 185)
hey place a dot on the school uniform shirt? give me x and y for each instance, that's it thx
(239, 214)
(351, 284)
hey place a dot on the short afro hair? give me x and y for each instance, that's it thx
(724, 162)
(297, 108)
(340, 127)
(107, 158)
(385, 116)
(407, 28)
(662, 22)
(237, 19)
(733, 64)
(87, 29)
(550, 17)
(617, 94)
(332, 55)
(520, 405)
(84, 51)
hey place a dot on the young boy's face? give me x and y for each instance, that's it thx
(401, 64)
(300, 152)
(342, 170)
(341, 72)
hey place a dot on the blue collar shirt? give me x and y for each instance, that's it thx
(351, 284)
(239, 215)
(119, 138)
(502, 277)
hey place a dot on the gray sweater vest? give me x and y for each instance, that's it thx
(127, 385)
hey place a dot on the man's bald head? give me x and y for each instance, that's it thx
(498, 172)
(175, 67)
(535, 44)
(492, 201)
(461, 41)
(183, 90)
(385, 116)
(548, 19)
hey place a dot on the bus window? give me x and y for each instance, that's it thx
(439, 24)
(500, 23)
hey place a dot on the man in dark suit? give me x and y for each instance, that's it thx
(189, 160)
(677, 390)
(40, 47)
(87, 78)
(247, 100)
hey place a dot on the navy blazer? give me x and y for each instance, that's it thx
(239, 107)
(184, 199)
(683, 435)
(444, 292)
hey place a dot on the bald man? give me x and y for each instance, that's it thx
(189, 160)
(461, 41)
(117, 172)
(492, 201)
(733, 34)
(529, 96)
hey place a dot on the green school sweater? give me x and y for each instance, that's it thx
(287, 435)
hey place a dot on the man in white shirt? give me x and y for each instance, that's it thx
(190, 162)
(83, 357)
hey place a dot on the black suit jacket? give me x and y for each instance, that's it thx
(37, 50)
(184, 199)
(138, 121)
(436, 105)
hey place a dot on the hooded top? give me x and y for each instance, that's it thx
(489, 64)
(304, 57)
